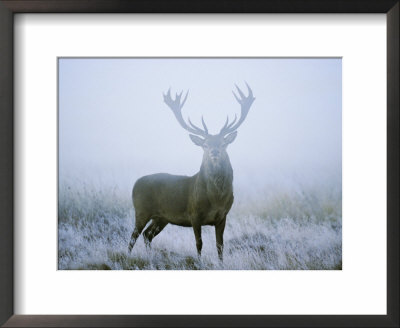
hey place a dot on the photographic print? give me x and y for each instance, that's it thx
(199, 163)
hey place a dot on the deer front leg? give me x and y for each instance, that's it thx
(219, 234)
(197, 235)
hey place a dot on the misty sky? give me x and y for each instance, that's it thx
(115, 127)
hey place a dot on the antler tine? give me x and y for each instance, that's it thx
(176, 107)
(204, 124)
(245, 103)
(237, 98)
(184, 100)
(240, 92)
(233, 122)
(196, 127)
(250, 91)
(226, 123)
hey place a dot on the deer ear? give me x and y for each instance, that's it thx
(230, 138)
(196, 140)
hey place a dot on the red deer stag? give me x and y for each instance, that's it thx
(202, 199)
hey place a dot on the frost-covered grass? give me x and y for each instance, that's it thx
(271, 229)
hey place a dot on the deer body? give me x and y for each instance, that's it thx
(202, 199)
(183, 200)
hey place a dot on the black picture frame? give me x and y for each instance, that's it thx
(10, 7)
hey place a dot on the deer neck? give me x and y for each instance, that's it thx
(218, 177)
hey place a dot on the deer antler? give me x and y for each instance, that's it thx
(176, 107)
(245, 103)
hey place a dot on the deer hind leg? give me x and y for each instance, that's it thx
(140, 223)
(156, 226)
(148, 232)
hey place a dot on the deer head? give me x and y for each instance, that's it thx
(214, 146)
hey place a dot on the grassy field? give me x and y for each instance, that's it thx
(271, 229)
